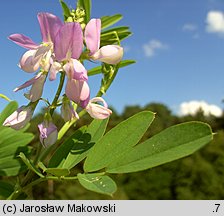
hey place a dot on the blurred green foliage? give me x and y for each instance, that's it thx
(199, 176)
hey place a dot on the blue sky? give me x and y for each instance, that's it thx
(180, 55)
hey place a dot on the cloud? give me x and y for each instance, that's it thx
(215, 22)
(192, 28)
(189, 27)
(152, 46)
(192, 107)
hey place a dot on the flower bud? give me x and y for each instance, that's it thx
(97, 111)
(67, 110)
(48, 133)
(18, 119)
(110, 54)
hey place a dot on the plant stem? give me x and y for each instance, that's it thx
(36, 159)
(109, 82)
(67, 125)
(17, 192)
(30, 174)
(57, 95)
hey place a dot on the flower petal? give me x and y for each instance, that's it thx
(28, 83)
(77, 90)
(97, 111)
(23, 41)
(68, 42)
(84, 90)
(28, 62)
(110, 54)
(19, 118)
(99, 99)
(49, 26)
(75, 70)
(92, 35)
(48, 133)
(80, 73)
(54, 69)
(68, 112)
(36, 91)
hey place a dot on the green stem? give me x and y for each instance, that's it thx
(57, 95)
(109, 82)
(17, 192)
(36, 159)
(30, 174)
(67, 125)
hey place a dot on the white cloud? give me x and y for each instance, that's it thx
(189, 27)
(192, 28)
(215, 22)
(152, 46)
(192, 107)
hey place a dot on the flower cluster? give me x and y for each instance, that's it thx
(61, 50)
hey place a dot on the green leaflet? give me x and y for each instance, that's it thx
(65, 8)
(114, 35)
(76, 148)
(98, 183)
(11, 144)
(173, 143)
(118, 141)
(4, 97)
(118, 29)
(59, 157)
(107, 21)
(98, 70)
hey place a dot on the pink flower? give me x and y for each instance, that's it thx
(49, 26)
(18, 119)
(55, 67)
(92, 35)
(36, 90)
(39, 55)
(110, 54)
(68, 48)
(75, 70)
(68, 42)
(97, 111)
(78, 91)
(48, 133)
